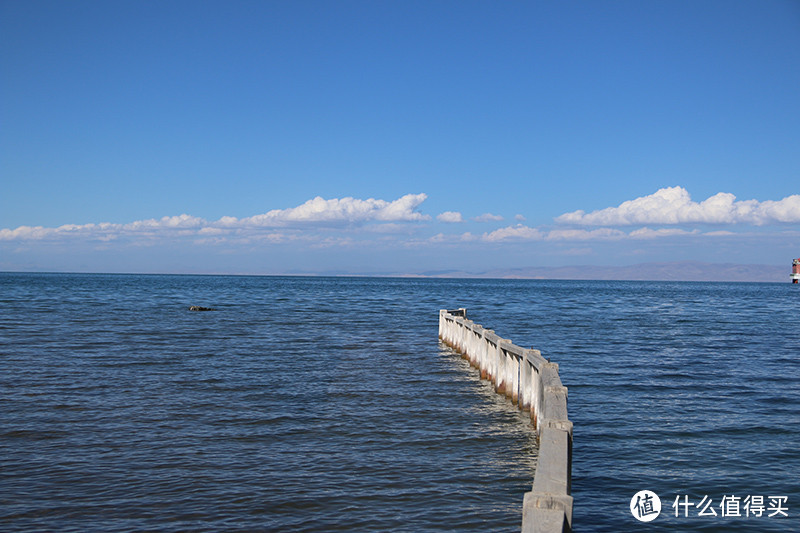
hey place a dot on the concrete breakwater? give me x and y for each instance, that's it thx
(532, 383)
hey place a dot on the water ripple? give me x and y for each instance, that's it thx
(327, 404)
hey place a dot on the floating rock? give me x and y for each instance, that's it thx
(201, 308)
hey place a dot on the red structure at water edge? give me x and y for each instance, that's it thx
(795, 270)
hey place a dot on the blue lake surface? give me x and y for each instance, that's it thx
(328, 404)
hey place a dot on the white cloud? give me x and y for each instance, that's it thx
(647, 233)
(487, 217)
(450, 216)
(519, 218)
(316, 212)
(208, 230)
(673, 205)
(518, 232)
(347, 210)
(452, 238)
(176, 222)
(389, 228)
(227, 221)
(24, 232)
(521, 232)
(584, 235)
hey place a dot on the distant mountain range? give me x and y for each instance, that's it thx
(674, 271)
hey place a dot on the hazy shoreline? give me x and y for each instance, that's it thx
(671, 271)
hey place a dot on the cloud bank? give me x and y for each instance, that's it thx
(673, 205)
(344, 221)
(347, 210)
(520, 232)
(317, 212)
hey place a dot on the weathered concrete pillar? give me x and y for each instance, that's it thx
(484, 353)
(494, 361)
(524, 384)
(515, 370)
(512, 390)
(548, 507)
(507, 371)
(500, 369)
(475, 343)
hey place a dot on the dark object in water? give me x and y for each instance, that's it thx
(200, 308)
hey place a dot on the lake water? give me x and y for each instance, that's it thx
(328, 404)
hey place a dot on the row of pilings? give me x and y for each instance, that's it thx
(532, 383)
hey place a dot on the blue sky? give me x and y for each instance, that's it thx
(374, 137)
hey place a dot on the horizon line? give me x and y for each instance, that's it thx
(605, 273)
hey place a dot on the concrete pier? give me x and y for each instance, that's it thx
(532, 383)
